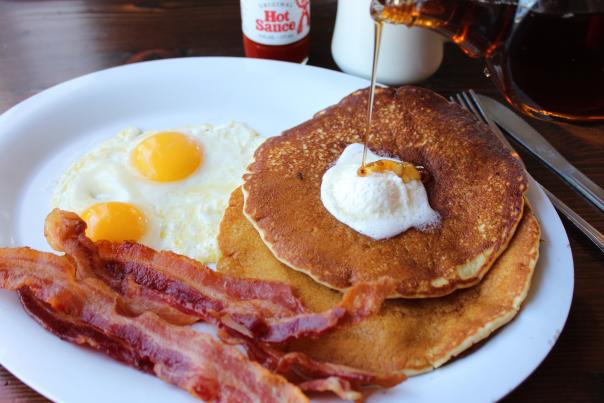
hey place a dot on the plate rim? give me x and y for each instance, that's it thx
(6, 116)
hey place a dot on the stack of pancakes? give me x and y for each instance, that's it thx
(456, 283)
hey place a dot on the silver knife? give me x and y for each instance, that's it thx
(542, 149)
(592, 233)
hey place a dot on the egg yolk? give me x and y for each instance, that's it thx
(167, 157)
(114, 221)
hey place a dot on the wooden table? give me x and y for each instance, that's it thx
(44, 42)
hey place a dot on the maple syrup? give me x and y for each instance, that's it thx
(407, 172)
(377, 40)
(404, 170)
(546, 57)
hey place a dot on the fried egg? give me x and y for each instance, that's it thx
(165, 189)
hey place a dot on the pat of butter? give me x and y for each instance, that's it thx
(378, 205)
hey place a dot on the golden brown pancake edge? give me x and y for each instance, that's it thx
(478, 189)
(412, 336)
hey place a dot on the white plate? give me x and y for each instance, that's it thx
(42, 135)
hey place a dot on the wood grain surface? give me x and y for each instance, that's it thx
(44, 42)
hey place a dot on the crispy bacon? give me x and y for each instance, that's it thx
(65, 232)
(338, 386)
(308, 374)
(296, 364)
(74, 296)
(71, 329)
(358, 303)
(194, 289)
(194, 285)
(86, 311)
(164, 281)
(164, 272)
(366, 298)
(183, 284)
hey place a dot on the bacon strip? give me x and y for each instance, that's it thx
(358, 303)
(133, 268)
(340, 387)
(70, 329)
(308, 374)
(181, 283)
(164, 272)
(88, 312)
(65, 232)
(366, 298)
(165, 282)
(180, 290)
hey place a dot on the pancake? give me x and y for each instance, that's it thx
(477, 187)
(411, 336)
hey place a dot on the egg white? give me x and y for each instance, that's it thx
(182, 216)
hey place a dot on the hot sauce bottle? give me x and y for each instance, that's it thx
(276, 29)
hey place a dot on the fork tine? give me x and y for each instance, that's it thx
(487, 119)
(452, 99)
(463, 100)
(460, 101)
(470, 104)
(593, 234)
(477, 110)
(478, 105)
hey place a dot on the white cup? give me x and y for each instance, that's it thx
(407, 55)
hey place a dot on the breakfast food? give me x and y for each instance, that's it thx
(311, 375)
(86, 312)
(411, 336)
(163, 282)
(477, 188)
(72, 295)
(456, 234)
(378, 205)
(167, 189)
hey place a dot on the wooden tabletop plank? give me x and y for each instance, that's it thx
(45, 42)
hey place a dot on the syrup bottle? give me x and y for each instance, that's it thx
(276, 29)
(545, 56)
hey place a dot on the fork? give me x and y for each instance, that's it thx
(469, 102)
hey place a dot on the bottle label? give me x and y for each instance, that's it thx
(275, 22)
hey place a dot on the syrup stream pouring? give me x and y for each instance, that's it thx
(377, 40)
(404, 170)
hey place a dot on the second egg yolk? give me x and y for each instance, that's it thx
(167, 157)
(114, 221)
